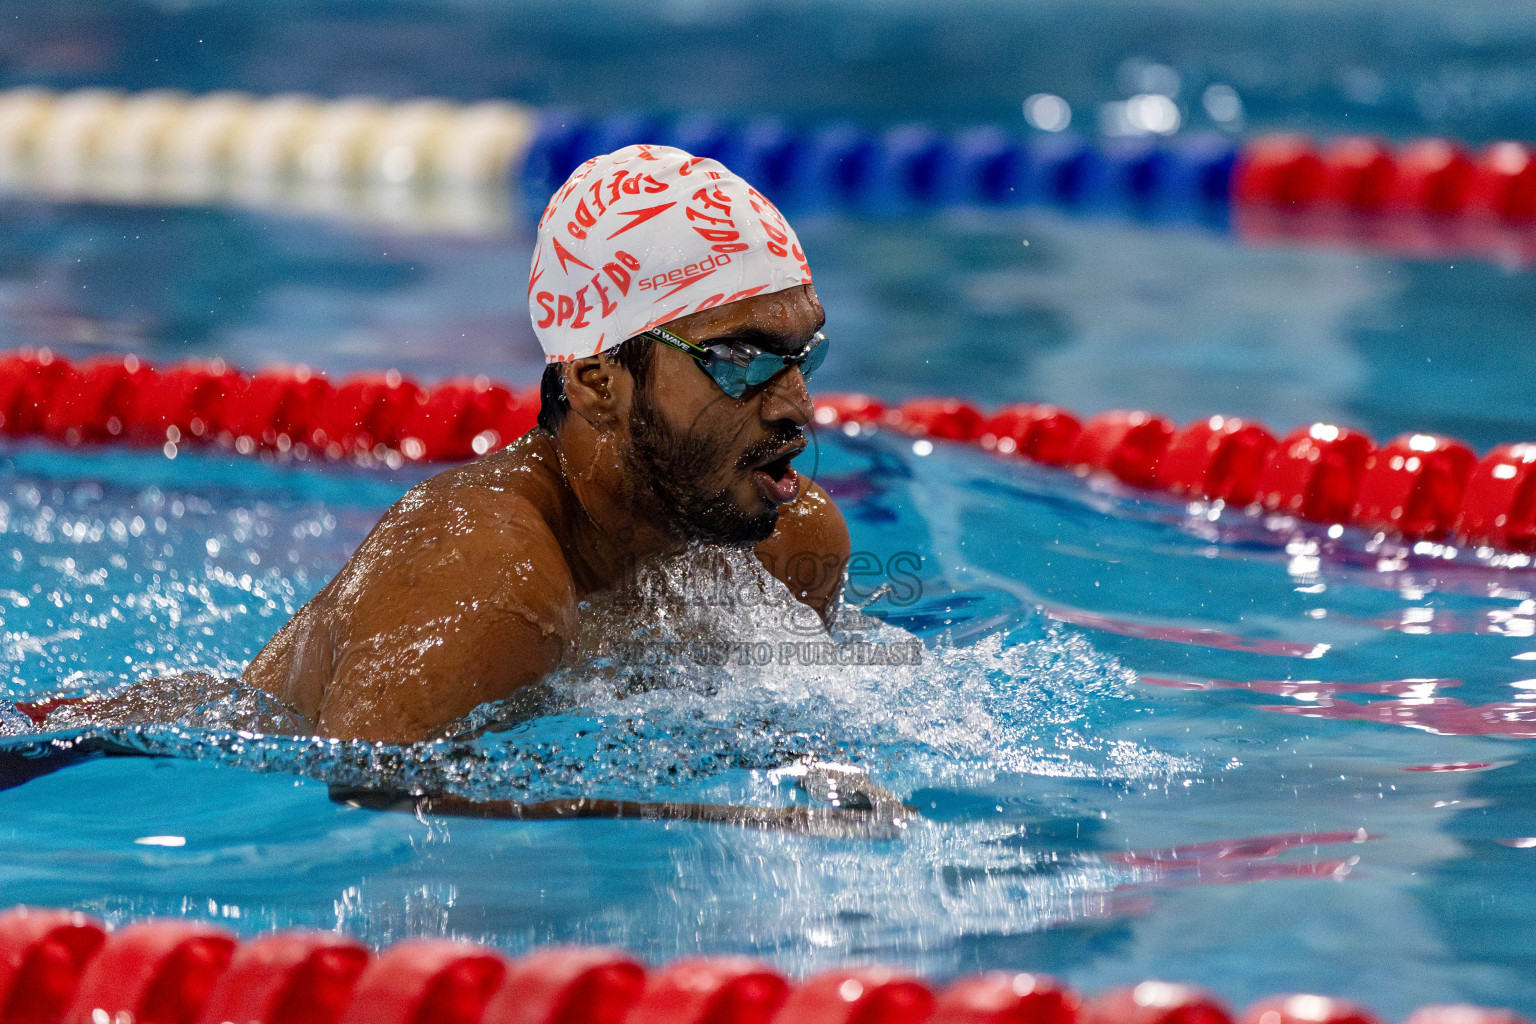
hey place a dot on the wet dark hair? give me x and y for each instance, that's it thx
(633, 354)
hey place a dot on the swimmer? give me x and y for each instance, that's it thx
(679, 323)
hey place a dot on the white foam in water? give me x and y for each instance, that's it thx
(936, 713)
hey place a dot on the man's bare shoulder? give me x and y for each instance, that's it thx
(522, 480)
(460, 595)
(487, 531)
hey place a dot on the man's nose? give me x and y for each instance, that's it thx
(787, 398)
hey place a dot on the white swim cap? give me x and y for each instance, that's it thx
(645, 235)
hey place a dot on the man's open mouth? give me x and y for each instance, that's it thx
(777, 477)
(780, 466)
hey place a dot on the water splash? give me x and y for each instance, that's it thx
(703, 670)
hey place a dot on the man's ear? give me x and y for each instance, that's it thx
(598, 390)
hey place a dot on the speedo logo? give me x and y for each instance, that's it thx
(684, 276)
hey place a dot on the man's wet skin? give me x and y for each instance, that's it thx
(467, 590)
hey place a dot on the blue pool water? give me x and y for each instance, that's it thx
(1103, 772)
(1080, 814)
(1147, 739)
(1040, 735)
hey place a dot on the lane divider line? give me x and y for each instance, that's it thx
(438, 166)
(1422, 487)
(372, 418)
(58, 965)
(425, 164)
(1422, 199)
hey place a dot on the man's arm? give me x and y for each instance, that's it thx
(857, 823)
(470, 604)
(809, 549)
(853, 807)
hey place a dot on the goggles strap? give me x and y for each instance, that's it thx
(665, 336)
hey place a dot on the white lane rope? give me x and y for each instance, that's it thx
(429, 165)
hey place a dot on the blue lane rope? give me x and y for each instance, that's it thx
(912, 168)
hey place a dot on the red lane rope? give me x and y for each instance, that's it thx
(380, 417)
(56, 965)
(1418, 486)
(1429, 198)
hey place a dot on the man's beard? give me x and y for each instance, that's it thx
(677, 470)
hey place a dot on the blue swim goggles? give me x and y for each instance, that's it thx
(737, 366)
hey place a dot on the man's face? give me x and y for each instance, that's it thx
(721, 465)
